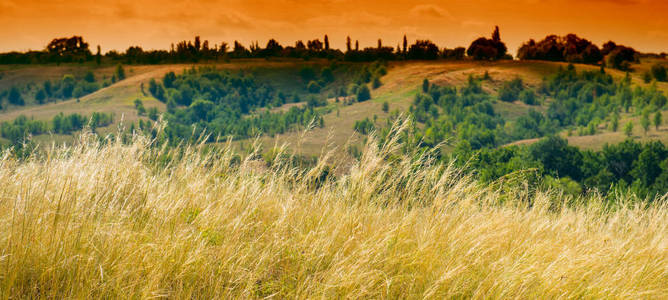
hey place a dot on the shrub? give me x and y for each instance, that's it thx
(528, 97)
(376, 82)
(659, 72)
(363, 93)
(313, 87)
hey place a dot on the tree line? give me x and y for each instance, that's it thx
(17, 130)
(75, 49)
(569, 48)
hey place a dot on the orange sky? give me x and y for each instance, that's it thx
(155, 24)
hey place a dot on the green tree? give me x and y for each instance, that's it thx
(658, 119)
(376, 82)
(628, 128)
(98, 56)
(659, 72)
(139, 105)
(40, 96)
(120, 72)
(153, 113)
(386, 106)
(647, 77)
(363, 93)
(644, 121)
(614, 122)
(425, 85)
(15, 97)
(313, 87)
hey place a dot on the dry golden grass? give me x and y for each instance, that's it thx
(115, 221)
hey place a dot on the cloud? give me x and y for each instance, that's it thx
(430, 11)
(235, 20)
(361, 19)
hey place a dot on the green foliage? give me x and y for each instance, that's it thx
(560, 166)
(386, 107)
(658, 119)
(139, 105)
(376, 82)
(19, 129)
(313, 87)
(510, 90)
(647, 77)
(659, 72)
(644, 121)
(14, 96)
(528, 96)
(218, 103)
(153, 113)
(89, 77)
(364, 126)
(628, 129)
(157, 90)
(614, 122)
(425, 85)
(307, 73)
(363, 93)
(120, 72)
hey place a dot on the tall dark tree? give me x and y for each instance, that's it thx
(496, 36)
(405, 44)
(98, 55)
(380, 43)
(357, 45)
(198, 44)
(326, 42)
(348, 44)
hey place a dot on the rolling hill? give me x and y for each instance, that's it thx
(399, 87)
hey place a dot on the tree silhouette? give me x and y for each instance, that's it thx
(405, 44)
(326, 42)
(488, 49)
(348, 46)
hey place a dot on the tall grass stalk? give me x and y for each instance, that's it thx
(118, 220)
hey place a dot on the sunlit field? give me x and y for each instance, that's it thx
(131, 220)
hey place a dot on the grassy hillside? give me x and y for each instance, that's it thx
(399, 88)
(112, 221)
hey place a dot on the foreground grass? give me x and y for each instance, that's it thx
(112, 221)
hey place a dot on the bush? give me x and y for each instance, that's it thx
(659, 72)
(139, 105)
(307, 73)
(89, 77)
(15, 97)
(528, 97)
(363, 93)
(40, 96)
(153, 113)
(647, 77)
(120, 72)
(376, 82)
(510, 90)
(313, 87)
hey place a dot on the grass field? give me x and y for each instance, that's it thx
(113, 221)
